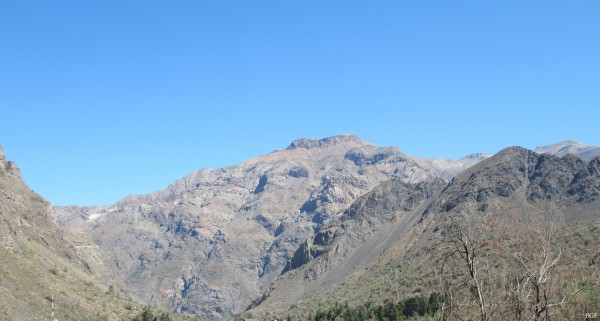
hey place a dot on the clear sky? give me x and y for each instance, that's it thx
(101, 99)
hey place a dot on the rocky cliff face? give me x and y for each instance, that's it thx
(351, 243)
(387, 203)
(214, 241)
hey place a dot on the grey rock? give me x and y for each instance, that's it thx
(301, 257)
(364, 156)
(308, 143)
(298, 172)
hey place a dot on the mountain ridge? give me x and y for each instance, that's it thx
(215, 242)
(308, 143)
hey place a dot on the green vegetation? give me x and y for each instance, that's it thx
(407, 309)
(8, 165)
(148, 315)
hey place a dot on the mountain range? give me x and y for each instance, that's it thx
(333, 217)
(214, 241)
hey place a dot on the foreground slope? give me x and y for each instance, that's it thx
(41, 262)
(506, 197)
(213, 242)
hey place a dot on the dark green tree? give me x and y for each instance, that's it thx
(148, 315)
(435, 303)
(415, 305)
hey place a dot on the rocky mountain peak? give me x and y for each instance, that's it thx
(513, 150)
(559, 146)
(510, 153)
(570, 147)
(477, 156)
(8, 166)
(309, 143)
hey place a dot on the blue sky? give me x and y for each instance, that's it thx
(101, 99)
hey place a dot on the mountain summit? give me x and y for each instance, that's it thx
(325, 142)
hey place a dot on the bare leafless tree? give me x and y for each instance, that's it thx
(463, 241)
(494, 268)
(540, 282)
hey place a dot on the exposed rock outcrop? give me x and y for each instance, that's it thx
(308, 143)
